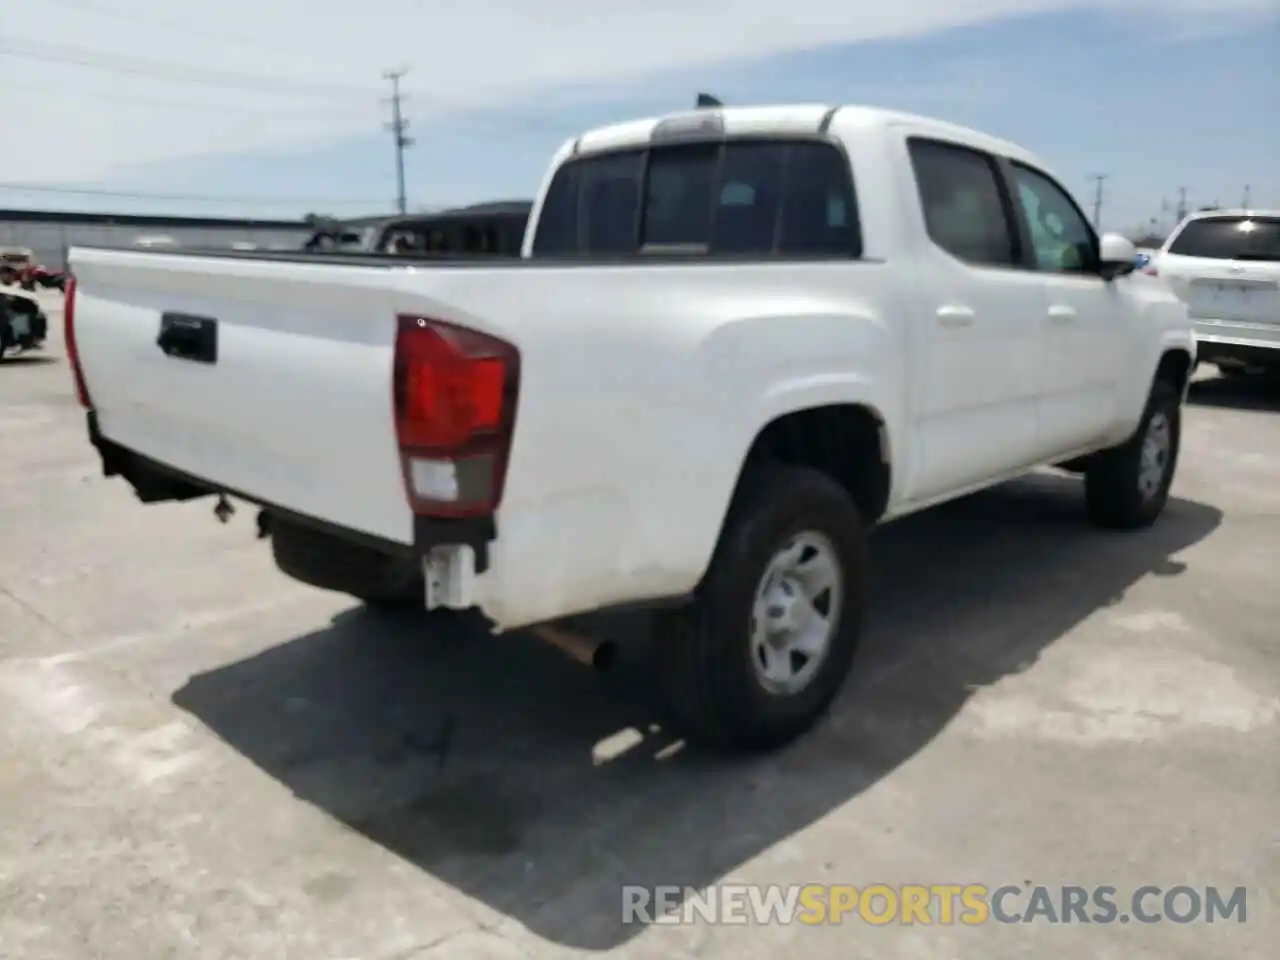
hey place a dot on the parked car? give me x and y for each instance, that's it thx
(160, 241)
(743, 338)
(488, 229)
(23, 323)
(14, 262)
(344, 236)
(1225, 264)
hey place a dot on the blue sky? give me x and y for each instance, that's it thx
(1157, 103)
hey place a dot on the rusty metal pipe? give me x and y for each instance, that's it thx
(597, 654)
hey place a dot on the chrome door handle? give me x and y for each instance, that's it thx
(1060, 313)
(955, 316)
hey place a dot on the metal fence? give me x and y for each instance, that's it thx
(48, 241)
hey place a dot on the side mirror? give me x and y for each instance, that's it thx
(1117, 256)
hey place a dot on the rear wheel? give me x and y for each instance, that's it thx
(1127, 486)
(760, 655)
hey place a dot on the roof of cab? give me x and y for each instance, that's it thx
(783, 120)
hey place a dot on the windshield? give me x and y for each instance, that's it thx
(1229, 238)
(351, 240)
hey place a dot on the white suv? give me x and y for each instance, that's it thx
(1225, 264)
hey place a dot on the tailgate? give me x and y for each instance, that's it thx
(1235, 299)
(273, 380)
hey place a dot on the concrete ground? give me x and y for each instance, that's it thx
(200, 758)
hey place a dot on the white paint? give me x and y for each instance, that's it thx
(615, 745)
(1152, 621)
(173, 631)
(1130, 695)
(642, 386)
(54, 700)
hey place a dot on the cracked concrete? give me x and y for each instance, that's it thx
(200, 759)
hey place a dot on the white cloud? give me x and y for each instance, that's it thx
(320, 65)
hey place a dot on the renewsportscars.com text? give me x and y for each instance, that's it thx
(942, 904)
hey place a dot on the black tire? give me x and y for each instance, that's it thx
(1113, 489)
(322, 560)
(704, 651)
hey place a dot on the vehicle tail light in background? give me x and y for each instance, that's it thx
(1150, 270)
(454, 399)
(69, 338)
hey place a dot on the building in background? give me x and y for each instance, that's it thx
(48, 233)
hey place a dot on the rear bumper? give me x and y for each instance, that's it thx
(1249, 343)
(156, 482)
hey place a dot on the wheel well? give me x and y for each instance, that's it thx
(1175, 368)
(845, 441)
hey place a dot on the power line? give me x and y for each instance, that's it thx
(185, 105)
(200, 76)
(179, 73)
(195, 198)
(398, 126)
(150, 21)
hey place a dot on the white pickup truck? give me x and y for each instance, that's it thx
(735, 340)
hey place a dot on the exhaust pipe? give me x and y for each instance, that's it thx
(597, 654)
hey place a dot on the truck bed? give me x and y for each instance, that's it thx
(676, 255)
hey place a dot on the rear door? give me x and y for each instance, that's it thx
(1227, 270)
(1084, 316)
(980, 338)
(270, 378)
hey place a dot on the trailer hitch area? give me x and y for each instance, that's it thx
(223, 509)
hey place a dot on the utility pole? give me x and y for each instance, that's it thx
(1099, 179)
(1182, 203)
(1244, 201)
(398, 126)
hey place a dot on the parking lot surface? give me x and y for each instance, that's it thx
(200, 758)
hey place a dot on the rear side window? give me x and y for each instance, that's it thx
(737, 198)
(965, 210)
(821, 213)
(1229, 238)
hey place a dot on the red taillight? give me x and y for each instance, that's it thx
(69, 338)
(1151, 271)
(454, 401)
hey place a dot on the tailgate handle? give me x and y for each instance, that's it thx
(188, 337)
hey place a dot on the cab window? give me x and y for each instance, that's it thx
(964, 206)
(739, 198)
